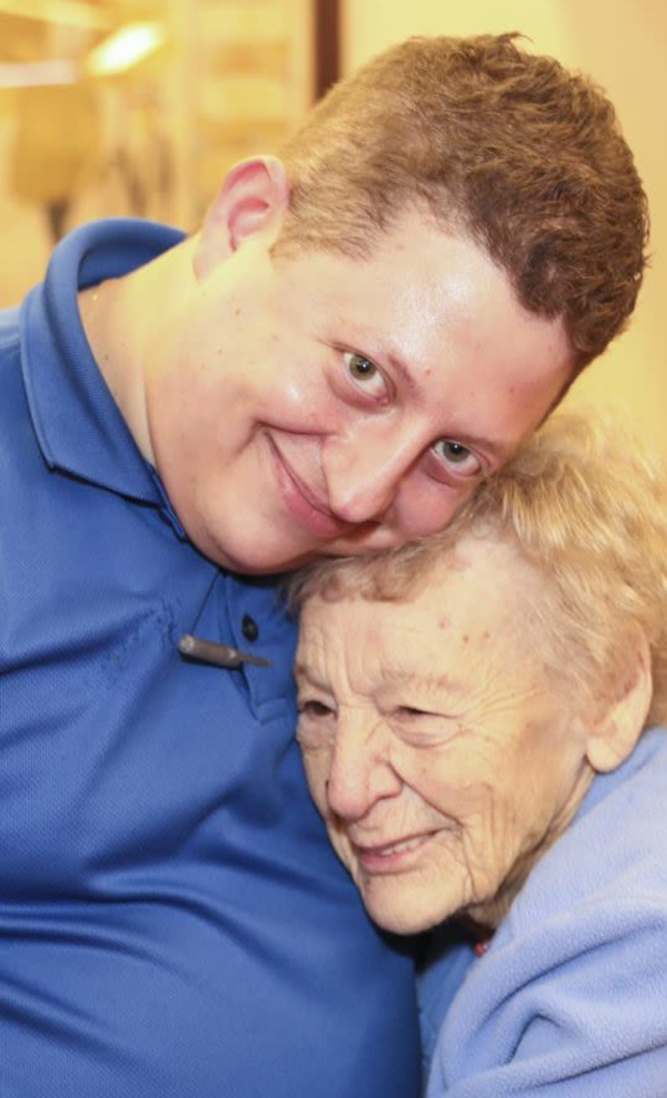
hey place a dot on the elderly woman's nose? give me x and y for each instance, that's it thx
(360, 775)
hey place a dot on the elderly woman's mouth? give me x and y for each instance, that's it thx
(390, 856)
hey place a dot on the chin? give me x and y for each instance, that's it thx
(254, 561)
(403, 918)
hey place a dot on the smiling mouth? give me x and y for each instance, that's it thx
(306, 508)
(389, 857)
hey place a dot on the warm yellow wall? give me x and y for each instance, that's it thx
(623, 45)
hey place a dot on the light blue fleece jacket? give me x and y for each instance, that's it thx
(570, 1001)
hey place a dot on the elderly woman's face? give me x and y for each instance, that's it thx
(439, 750)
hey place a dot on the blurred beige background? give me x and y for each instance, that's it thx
(622, 44)
(136, 107)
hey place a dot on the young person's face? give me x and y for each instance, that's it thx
(320, 405)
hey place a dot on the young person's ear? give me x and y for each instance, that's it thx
(619, 726)
(253, 198)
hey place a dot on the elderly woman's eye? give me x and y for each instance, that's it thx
(313, 708)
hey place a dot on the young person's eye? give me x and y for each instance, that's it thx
(457, 458)
(365, 374)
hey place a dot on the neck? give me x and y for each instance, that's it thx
(120, 317)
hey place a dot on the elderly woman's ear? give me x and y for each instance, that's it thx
(623, 715)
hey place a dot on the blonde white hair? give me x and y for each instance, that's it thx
(587, 505)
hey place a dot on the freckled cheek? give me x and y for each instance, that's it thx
(424, 508)
(298, 399)
(462, 801)
(441, 516)
(299, 390)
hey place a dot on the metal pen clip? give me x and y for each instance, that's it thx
(222, 655)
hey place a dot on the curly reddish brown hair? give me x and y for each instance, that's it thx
(505, 146)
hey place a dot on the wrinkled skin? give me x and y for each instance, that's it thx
(441, 752)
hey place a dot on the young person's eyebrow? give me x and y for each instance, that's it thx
(494, 447)
(363, 343)
(367, 344)
(402, 369)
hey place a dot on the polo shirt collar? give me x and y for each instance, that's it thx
(78, 424)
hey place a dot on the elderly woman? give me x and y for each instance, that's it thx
(472, 719)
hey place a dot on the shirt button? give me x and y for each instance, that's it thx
(249, 628)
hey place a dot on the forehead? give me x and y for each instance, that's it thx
(437, 303)
(430, 274)
(473, 606)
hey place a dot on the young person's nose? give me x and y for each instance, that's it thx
(364, 469)
(360, 773)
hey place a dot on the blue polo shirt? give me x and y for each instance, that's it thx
(172, 920)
